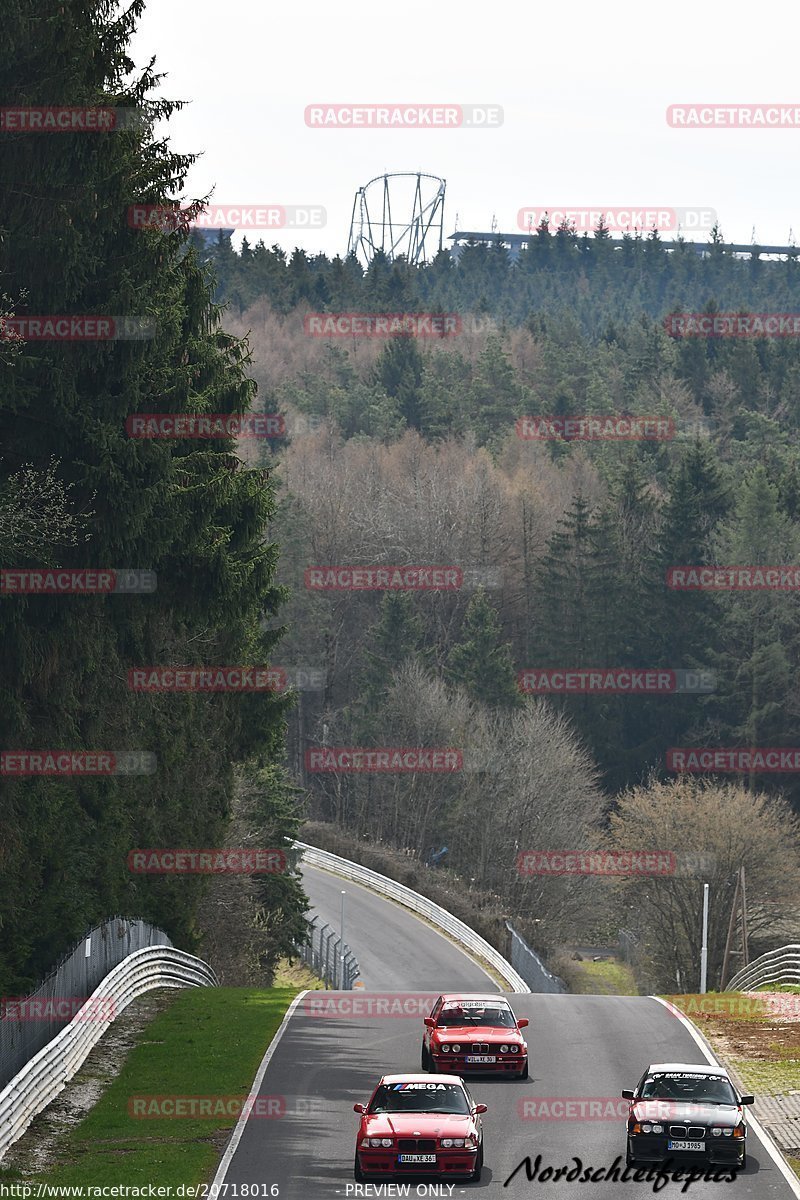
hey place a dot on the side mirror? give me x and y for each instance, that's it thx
(429, 1021)
(627, 1094)
(481, 1108)
(747, 1099)
(522, 1022)
(359, 1108)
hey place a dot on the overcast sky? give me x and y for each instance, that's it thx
(584, 89)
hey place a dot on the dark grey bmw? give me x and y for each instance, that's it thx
(687, 1111)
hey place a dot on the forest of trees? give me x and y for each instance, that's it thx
(406, 451)
(75, 491)
(590, 281)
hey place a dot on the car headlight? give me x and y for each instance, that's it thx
(717, 1132)
(445, 1048)
(387, 1143)
(447, 1143)
(647, 1129)
(459, 1142)
(727, 1132)
(378, 1142)
(456, 1046)
(504, 1048)
(658, 1129)
(515, 1049)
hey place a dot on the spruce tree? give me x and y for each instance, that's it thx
(480, 661)
(396, 636)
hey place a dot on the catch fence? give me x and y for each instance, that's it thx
(527, 963)
(329, 958)
(28, 1023)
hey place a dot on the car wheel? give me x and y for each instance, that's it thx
(524, 1071)
(630, 1161)
(476, 1174)
(358, 1174)
(426, 1058)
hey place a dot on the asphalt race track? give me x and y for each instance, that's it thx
(580, 1046)
(395, 951)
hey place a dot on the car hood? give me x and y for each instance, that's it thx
(478, 1033)
(676, 1112)
(421, 1124)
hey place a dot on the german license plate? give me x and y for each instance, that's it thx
(686, 1146)
(417, 1158)
(481, 1058)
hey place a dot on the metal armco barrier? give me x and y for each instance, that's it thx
(776, 966)
(49, 1071)
(438, 916)
(531, 967)
(72, 980)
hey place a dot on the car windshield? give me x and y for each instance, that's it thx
(684, 1086)
(420, 1097)
(476, 1014)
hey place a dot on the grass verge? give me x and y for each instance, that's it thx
(208, 1043)
(760, 1046)
(292, 973)
(612, 977)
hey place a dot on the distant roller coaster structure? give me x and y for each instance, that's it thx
(373, 228)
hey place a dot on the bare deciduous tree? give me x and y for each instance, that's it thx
(726, 827)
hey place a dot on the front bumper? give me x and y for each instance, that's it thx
(721, 1152)
(456, 1064)
(448, 1162)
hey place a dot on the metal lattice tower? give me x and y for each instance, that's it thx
(373, 228)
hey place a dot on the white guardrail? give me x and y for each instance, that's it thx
(434, 913)
(49, 1071)
(776, 966)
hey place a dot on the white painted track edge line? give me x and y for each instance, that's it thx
(769, 1145)
(428, 924)
(236, 1137)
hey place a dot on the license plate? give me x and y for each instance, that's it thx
(686, 1146)
(481, 1058)
(417, 1158)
